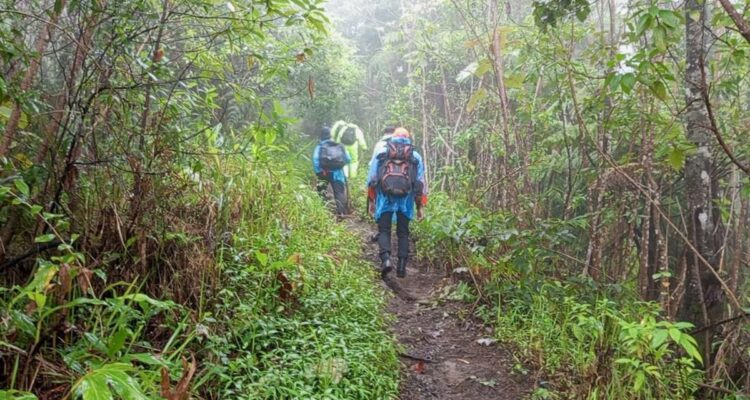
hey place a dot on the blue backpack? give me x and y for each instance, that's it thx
(332, 156)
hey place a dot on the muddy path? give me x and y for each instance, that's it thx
(446, 354)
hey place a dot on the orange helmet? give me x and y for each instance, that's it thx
(401, 132)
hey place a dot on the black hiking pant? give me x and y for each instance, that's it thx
(402, 233)
(339, 193)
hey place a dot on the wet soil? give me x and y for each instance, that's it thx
(446, 353)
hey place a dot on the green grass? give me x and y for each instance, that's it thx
(300, 313)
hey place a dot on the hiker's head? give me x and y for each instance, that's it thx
(401, 132)
(325, 133)
(389, 130)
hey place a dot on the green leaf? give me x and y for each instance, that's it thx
(484, 66)
(660, 336)
(683, 325)
(669, 18)
(108, 382)
(659, 90)
(42, 278)
(262, 258)
(6, 109)
(40, 299)
(614, 82)
(143, 299)
(44, 238)
(627, 82)
(16, 395)
(5, 112)
(22, 187)
(644, 23)
(145, 358)
(640, 379)
(76, 302)
(691, 349)
(676, 159)
(117, 341)
(278, 109)
(23, 323)
(660, 37)
(675, 334)
(514, 81)
(475, 98)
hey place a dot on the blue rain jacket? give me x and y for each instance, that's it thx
(386, 203)
(336, 174)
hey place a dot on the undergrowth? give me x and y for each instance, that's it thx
(300, 308)
(287, 310)
(590, 340)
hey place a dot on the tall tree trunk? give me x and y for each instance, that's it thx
(645, 271)
(698, 180)
(650, 226)
(426, 138)
(511, 202)
(595, 206)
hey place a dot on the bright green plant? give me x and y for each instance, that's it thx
(300, 316)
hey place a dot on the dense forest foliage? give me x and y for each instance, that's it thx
(160, 236)
(592, 175)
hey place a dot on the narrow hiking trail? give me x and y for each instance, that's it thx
(446, 353)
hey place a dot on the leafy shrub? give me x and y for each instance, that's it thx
(294, 313)
(592, 340)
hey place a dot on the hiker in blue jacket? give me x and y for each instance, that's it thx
(396, 184)
(329, 159)
(379, 147)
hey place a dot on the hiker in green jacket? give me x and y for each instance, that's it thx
(353, 139)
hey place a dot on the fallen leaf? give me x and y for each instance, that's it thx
(418, 368)
(295, 258)
(485, 382)
(286, 288)
(84, 279)
(311, 87)
(182, 389)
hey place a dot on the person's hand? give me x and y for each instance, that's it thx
(420, 214)
(371, 208)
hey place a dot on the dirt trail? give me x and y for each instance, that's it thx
(441, 354)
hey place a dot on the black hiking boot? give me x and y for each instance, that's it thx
(401, 268)
(385, 268)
